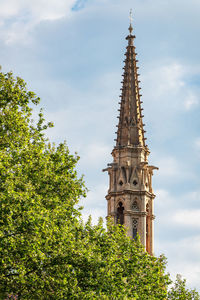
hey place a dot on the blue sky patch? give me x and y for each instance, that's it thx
(80, 4)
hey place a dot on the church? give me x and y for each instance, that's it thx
(130, 197)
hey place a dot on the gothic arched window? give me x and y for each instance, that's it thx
(135, 226)
(120, 213)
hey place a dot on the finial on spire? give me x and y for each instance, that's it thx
(131, 20)
(131, 16)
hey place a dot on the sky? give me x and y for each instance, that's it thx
(71, 52)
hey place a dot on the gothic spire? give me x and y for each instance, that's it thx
(130, 128)
(130, 195)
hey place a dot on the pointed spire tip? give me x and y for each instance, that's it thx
(131, 20)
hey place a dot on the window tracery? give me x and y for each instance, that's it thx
(135, 226)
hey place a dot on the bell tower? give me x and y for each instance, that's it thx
(130, 196)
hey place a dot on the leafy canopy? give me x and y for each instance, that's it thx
(46, 252)
(38, 192)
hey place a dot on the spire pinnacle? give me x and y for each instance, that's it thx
(130, 128)
(131, 20)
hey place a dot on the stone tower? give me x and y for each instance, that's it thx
(130, 196)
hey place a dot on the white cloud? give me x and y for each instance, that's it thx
(191, 101)
(183, 255)
(169, 167)
(187, 218)
(171, 223)
(9, 8)
(163, 199)
(168, 83)
(171, 77)
(37, 9)
(164, 79)
(95, 154)
(19, 17)
(191, 198)
(179, 209)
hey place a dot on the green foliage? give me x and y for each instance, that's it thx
(46, 252)
(38, 190)
(112, 266)
(180, 292)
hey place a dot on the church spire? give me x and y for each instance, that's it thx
(130, 128)
(130, 195)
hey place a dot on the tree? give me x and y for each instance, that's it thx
(46, 251)
(38, 192)
(180, 292)
(113, 266)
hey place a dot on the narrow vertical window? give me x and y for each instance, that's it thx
(120, 214)
(135, 226)
(147, 228)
